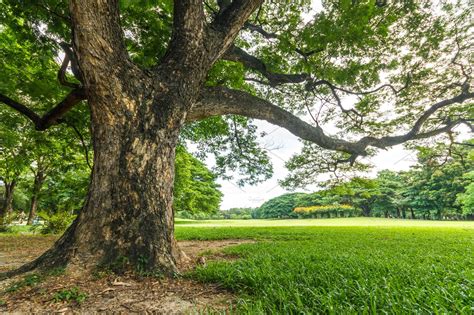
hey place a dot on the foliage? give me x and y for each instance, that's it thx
(68, 295)
(466, 199)
(233, 213)
(239, 213)
(344, 269)
(55, 223)
(195, 187)
(438, 187)
(279, 207)
(330, 211)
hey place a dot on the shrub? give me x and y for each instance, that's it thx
(330, 211)
(55, 223)
(72, 294)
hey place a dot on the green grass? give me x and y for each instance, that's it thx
(17, 229)
(360, 221)
(381, 266)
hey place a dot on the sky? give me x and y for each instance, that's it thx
(282, 146)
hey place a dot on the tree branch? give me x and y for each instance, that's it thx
(221, 101)
(53, 116)
(229, 21)
(250, 62)
(260, 30)
(84, 146)
(188, 24)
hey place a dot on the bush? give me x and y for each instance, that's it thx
(7, 220)
(330, 211)
(55, 223)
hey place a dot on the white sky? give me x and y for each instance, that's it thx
(285, 145)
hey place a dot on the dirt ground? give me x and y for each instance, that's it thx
(111, 293)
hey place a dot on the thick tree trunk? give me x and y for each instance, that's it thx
(39, 179)
(7, 206)
(127, 221)
(136, 117)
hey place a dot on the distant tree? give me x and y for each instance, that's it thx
(358, 192)
(434, 183)
(195, 187)
(466, 198)
(389, 200)
(14, 159)
(280, 207)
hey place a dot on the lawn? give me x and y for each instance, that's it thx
(341, 266)
(328, 266)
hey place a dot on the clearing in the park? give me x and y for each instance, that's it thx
(339, 266)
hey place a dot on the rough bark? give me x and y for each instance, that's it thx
(136, 117)
(37, 185)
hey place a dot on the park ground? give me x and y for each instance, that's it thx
(336, 266)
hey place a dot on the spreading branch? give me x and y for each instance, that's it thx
(237, 54)
(53, 116)
(250, 62)
(258, 29)
(222, 101)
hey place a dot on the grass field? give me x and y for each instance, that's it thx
(340, 266)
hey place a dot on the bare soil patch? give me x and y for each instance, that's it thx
(112, 293)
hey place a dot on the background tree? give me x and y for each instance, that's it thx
(279, 207)
(147, 68)
(195, 187)
(13, 160)
(466, 199)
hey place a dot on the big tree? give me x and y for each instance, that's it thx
(150, 69)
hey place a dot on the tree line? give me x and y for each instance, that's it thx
(439, 186)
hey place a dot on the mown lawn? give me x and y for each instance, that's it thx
(373, 268)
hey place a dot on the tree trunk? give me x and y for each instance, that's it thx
(136, 117)
(366, 211)
(7, 206)
(412, 213)
(127, 220)
(39, 179)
